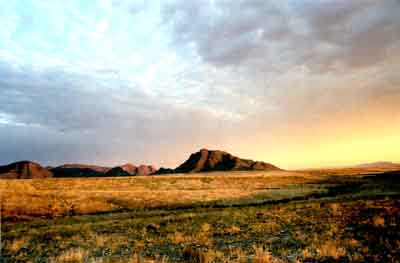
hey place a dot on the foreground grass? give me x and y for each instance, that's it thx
(306, 231)
(326, 219)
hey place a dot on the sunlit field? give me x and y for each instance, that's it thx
(211, 217)
(202, 131)
(58, 197)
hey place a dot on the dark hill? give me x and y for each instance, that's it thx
(97, 168)
(24, 170)
(83, 170)
(210, 160)
(138, 170)
(129, 168)
(60, 172)
(145, 170)
(117, 171)
(163, 170)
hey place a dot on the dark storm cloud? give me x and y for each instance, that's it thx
(324, 35)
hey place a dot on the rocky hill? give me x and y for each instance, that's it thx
(24, 170)
(215, 160)
(78, 171)
(117, 172)
(83, 170)
(97, 168)
(145, 170)
(129, 168)
(138, 170)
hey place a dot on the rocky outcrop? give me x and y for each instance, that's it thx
(24, 170)
(145, 170)
(138, 170)
(117, 172)
(129, 168)
(215, 160)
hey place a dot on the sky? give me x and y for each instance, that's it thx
(298, 83)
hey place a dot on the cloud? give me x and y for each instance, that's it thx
(50, 108)
(118, 81)
(323, 35)
(295, 61)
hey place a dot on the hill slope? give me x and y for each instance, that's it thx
(216, 160)
(379, 165)
(97, 168)
(77, 171)
(24, 170)
(117, 172)
(138, 170)
(83, 170)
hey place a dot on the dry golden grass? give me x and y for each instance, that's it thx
(335, 208)
(263, 256)
(206, 227)
(378, 221)
(306, 254)
(232, 229)
(330, 249)
(177, 238)
(19, 243)
(293, 232)
(71, 255)
(338, 225)
(58, 197)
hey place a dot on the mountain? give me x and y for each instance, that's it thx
(24, 170)
(61, 171)
(379, 165)
(117, 172)
(216, 160)
(97, 168)
(145, 170)
(138, 170)
(84, 170)
(129, 168)
(79, 170)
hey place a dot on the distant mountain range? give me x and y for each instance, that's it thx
(131, 170)
(97, 168)
(32, 170)
(216, 160)
(379, 165)
(83, 170)
(201, 161)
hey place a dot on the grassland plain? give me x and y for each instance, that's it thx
(304, 216)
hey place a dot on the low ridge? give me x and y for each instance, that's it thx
(84, 170)
(379, 165)
(116, 172)
(97, 168)
(78, 171)
(132, 170)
